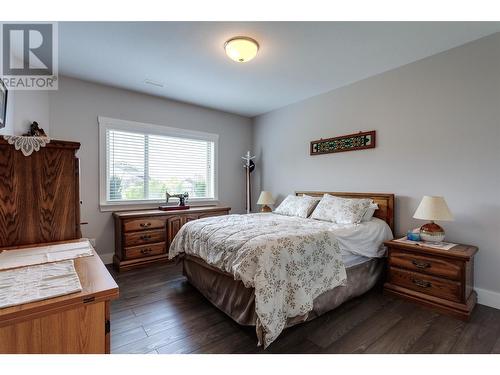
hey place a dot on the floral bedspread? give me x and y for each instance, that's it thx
(288, 260)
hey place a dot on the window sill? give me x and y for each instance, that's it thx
(111, 207)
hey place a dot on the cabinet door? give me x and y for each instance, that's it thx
(76, 331)
(38, 195)
(190, 217)
(174, 223)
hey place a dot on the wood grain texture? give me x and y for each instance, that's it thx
(77, 331)
(413, 324)
(435, 266)
(443, 279)
(32, 189)
(433, 286)
(174, 224)
(439, 337)
(178, 319)
(149, 213)
(40, 205)
(74, 323)
(142, 224)
(95, 280)
(143, 237)
(141, 251)
(481, 334)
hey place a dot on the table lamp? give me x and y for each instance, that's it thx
(265, 198)
(432, 208)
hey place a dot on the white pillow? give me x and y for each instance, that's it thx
(341, 210)
(296, 206)
(370, 211)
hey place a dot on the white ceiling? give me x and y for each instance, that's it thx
(296, 60)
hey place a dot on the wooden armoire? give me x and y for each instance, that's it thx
(39, 194)
(40, 204)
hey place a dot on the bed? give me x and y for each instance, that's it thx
(310, 267)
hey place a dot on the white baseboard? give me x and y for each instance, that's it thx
(488, 298)
(107, 258)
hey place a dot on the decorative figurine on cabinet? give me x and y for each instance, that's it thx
(35, 131)
(183, 198)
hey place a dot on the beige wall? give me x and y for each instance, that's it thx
(438, 133)
(24, 107)
(73, 116)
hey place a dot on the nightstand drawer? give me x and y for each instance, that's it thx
(434, 286)
(143, 224)
(144, 237)
(145, 251)
(450, 269)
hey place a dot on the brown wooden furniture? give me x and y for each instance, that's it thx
(385, 202)
(32, 189)
(40, 204)
(441, 279)
(143, 237)
(75, 323)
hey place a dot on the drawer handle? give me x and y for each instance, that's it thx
(145, 237)
(421, 283)
(146, 251)
(421, 265)
(145, 225)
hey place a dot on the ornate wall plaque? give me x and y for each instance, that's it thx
(351, 142)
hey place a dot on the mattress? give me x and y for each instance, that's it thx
(238, 301)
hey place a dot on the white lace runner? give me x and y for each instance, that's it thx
(36, 283)
(27, 144)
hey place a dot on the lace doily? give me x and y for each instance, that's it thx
(26, 144)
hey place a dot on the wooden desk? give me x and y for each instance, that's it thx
(76, 323)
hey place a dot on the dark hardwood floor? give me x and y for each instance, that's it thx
(159, 312)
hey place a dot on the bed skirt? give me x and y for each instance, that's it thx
(237, 301)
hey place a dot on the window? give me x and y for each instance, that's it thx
(140, 162)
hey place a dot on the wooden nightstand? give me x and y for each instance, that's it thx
(440, 279)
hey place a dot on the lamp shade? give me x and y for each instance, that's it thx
(265, 198)
(433, 208)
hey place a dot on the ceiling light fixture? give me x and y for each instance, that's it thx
(241, 48)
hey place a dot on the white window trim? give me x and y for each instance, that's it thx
(106, 123)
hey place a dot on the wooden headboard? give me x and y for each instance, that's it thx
(385, 202)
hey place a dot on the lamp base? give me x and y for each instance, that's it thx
(431, 232)
(266, 208)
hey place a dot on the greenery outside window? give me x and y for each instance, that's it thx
(141, 162)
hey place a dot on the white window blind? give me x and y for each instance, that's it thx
(142, 166)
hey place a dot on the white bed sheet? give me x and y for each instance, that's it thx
(365, 239)
(351, 260)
